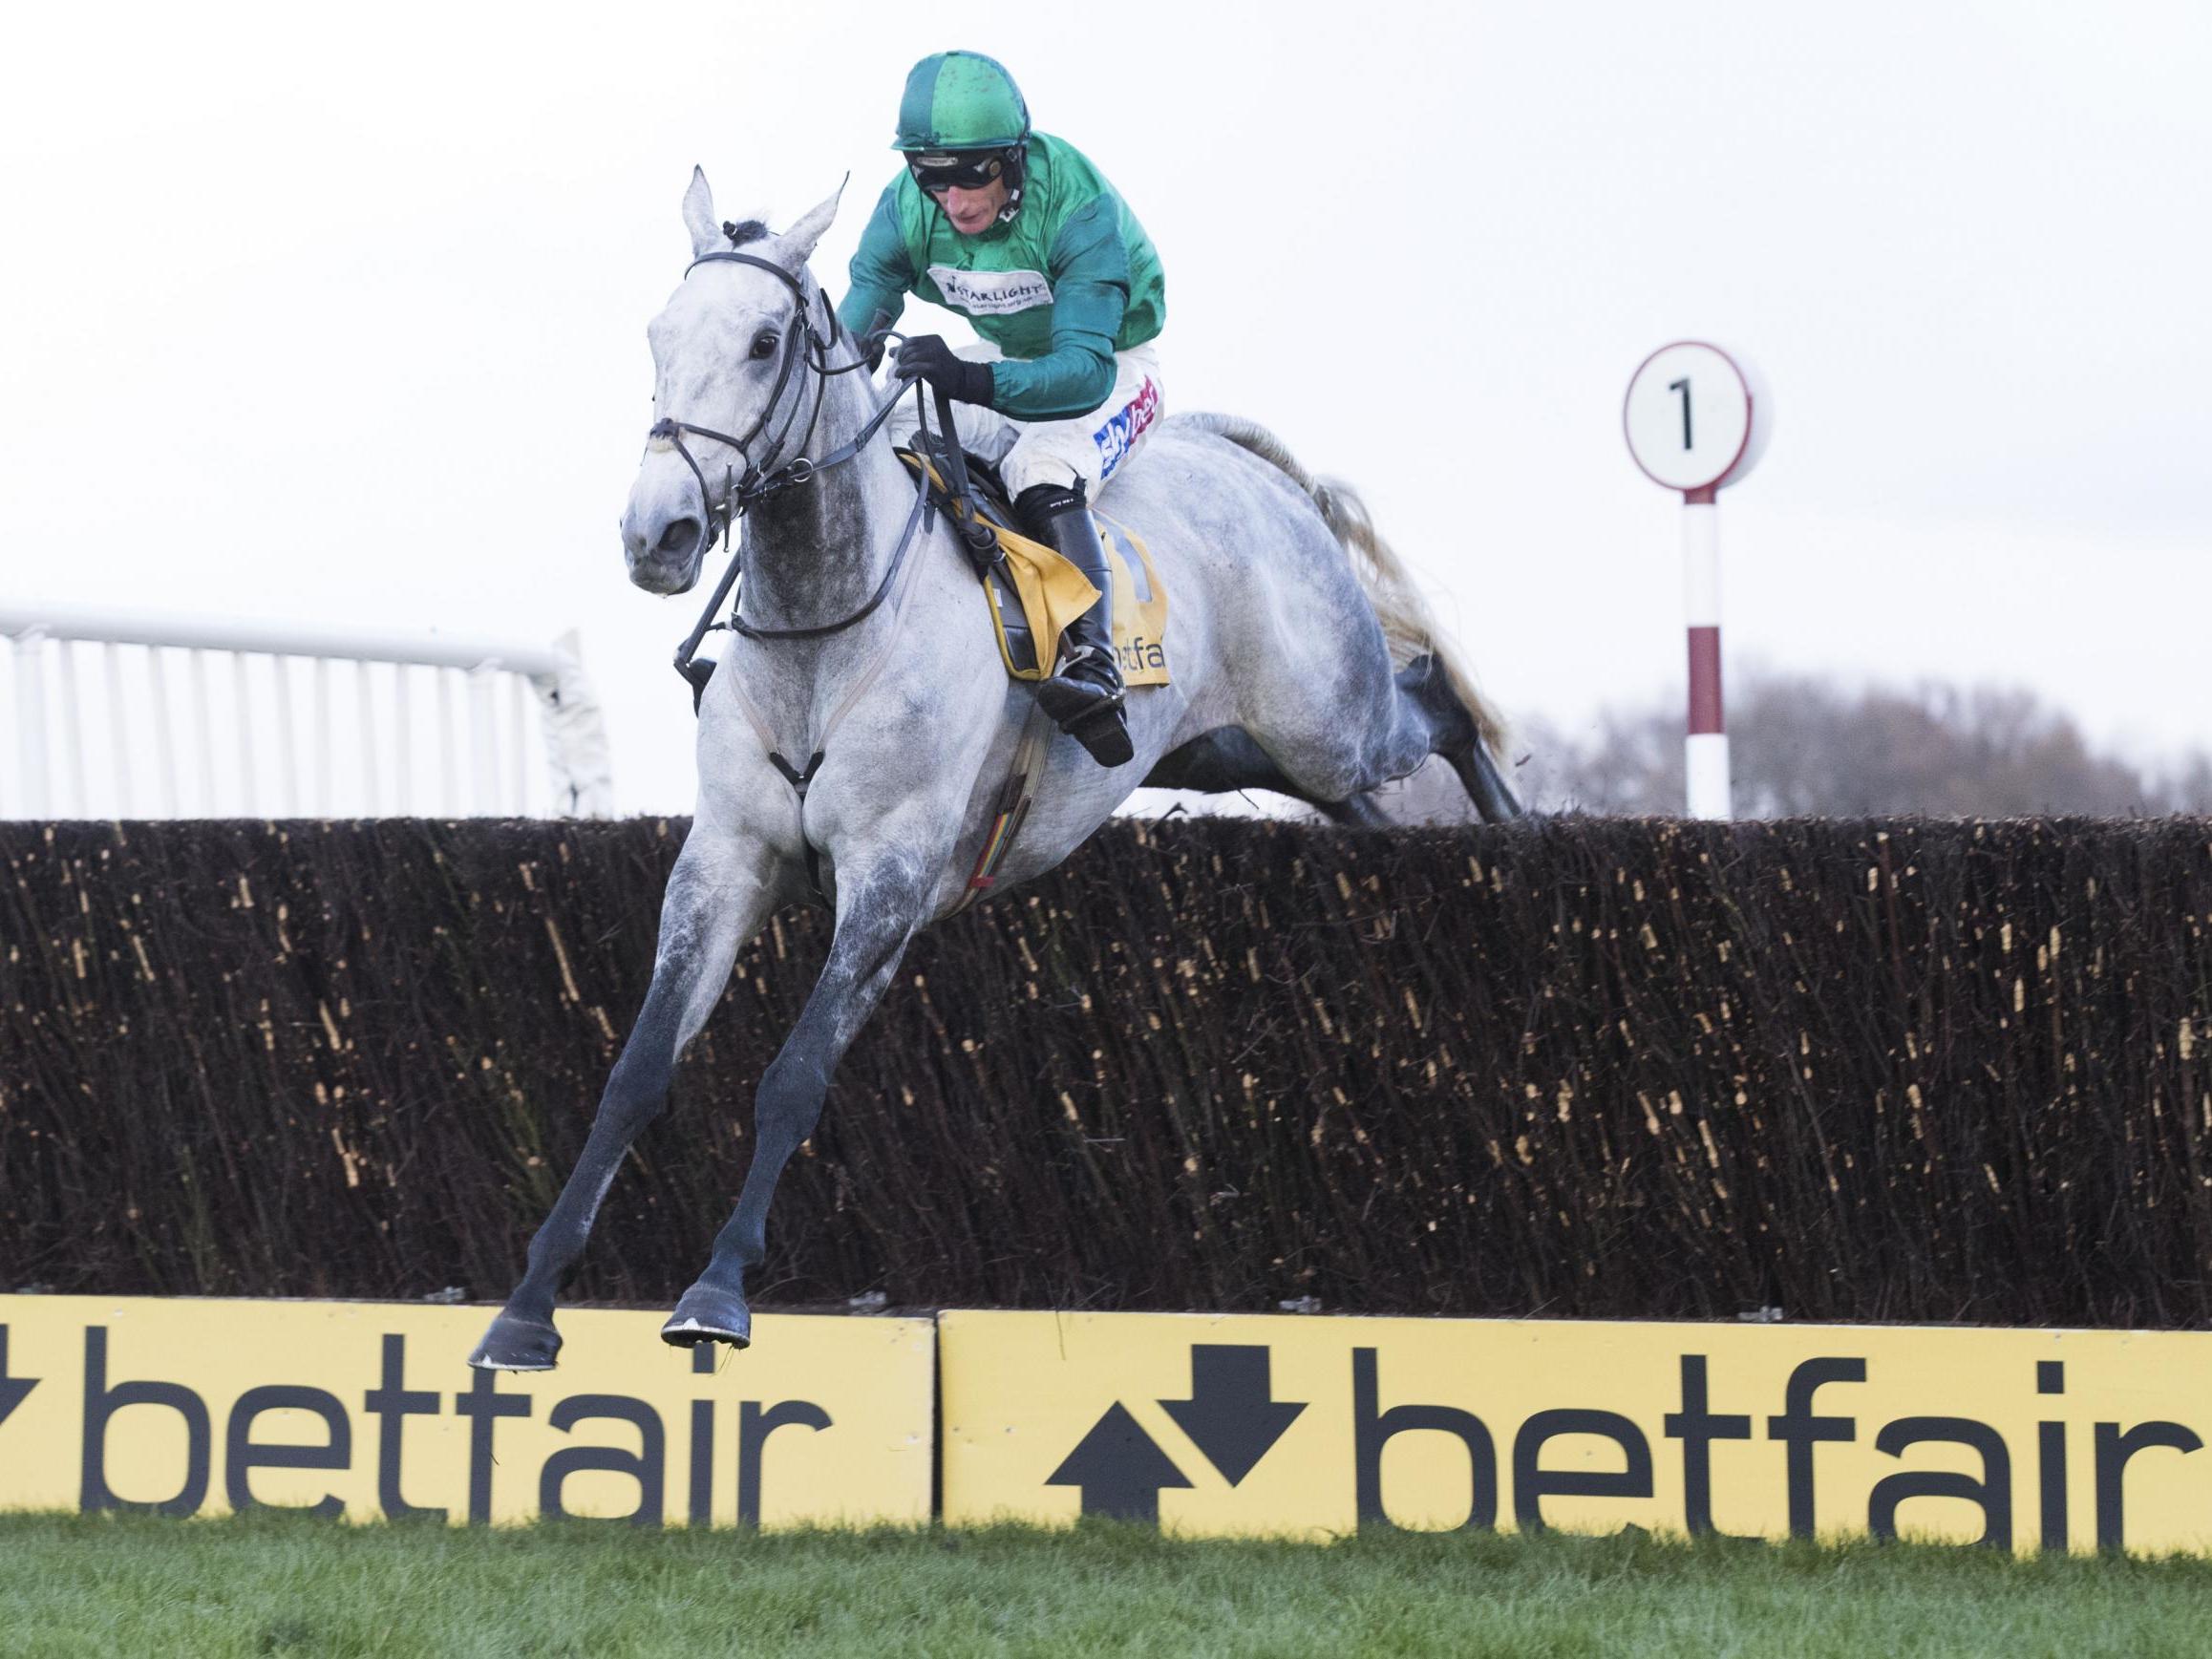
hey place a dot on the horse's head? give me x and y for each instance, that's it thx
(729, 364)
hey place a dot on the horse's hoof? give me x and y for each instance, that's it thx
(516, 1344)
(706, 1315)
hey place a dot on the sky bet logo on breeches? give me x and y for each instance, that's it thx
(1125, 427)
(366, 1411)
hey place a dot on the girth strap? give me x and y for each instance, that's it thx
(798, 780)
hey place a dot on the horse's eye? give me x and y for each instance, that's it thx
(764, 344)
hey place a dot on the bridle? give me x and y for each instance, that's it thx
(801, 344)
(804, 349)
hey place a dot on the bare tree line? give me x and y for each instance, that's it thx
(1802, 745)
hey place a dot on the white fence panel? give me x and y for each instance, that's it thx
(429, 723)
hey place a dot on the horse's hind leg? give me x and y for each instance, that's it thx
(1455, 735)
(1228, 760)
(1486, 786)
(717, 897)
(880, 907)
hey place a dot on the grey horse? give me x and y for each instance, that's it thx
(867, 761)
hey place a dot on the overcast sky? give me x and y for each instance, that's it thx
(339, 312)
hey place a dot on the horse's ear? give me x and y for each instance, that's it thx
(798, 241)
(699, 215)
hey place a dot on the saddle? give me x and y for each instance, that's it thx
(1033, 593)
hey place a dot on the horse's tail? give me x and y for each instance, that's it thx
(1408, 624)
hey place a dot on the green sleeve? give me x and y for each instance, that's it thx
(882, 273)
(1089, 275)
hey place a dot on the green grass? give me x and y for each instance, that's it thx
(282, 1585)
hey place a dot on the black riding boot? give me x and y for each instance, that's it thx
(1085, 697)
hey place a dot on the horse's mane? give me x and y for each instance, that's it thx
(1408, 624)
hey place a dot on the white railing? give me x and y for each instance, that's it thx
(206, 716)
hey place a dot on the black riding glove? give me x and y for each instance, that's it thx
(927, 357)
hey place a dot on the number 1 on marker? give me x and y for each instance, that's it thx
(1683, 386)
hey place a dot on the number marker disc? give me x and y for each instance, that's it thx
(1694, 418)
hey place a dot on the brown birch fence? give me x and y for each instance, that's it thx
(1905, 1070)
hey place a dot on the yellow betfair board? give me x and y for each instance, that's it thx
(367, 1409)
(2028, 1439)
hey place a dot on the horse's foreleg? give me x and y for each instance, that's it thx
(712, 908)
(879, 910)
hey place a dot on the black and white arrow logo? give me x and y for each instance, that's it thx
(1230, 1415)
(1118, 1468)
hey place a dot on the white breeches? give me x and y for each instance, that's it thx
(1089, 447)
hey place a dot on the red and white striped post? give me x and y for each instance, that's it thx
(1705, 748)
(1696, 419)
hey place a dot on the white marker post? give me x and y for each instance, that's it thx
(1697, 419)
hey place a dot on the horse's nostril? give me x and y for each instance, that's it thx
(680, 537)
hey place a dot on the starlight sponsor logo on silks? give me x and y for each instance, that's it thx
(1119, 434)
(991, 293)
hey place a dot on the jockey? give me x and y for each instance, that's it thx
(1018, 232)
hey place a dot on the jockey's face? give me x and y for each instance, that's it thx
(972, 211)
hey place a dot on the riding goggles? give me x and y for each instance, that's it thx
(956, 169)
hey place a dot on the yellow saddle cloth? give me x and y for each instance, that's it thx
(1040, 593)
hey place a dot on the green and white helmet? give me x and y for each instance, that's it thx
(961, 101)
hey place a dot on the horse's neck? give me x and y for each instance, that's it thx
(816, 551)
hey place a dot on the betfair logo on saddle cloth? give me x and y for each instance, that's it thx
(1051, 593)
